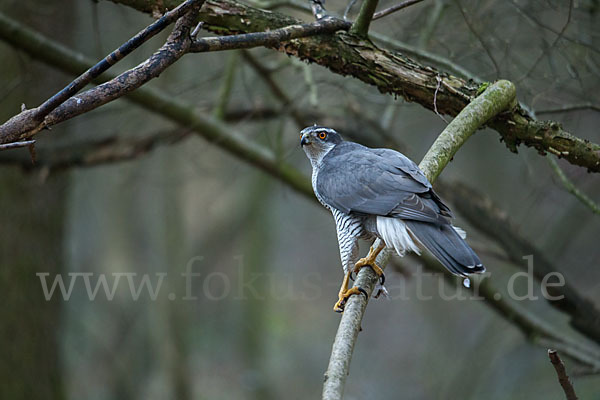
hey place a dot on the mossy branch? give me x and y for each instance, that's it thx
(395, 74)
(495, 99)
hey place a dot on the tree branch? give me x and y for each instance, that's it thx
(185, 115)
(480, 110)
(393, 73)
(561, 372)
(393, 9)
(492, 101)
(272, 38)
(29, 120)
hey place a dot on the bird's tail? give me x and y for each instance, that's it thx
(446, 244)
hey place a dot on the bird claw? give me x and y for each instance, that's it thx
(381, 277)
(343, 298)
(369, 262)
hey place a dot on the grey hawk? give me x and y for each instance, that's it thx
(380, 193)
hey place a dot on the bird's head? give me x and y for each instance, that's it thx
(316, 141)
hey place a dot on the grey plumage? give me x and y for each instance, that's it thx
(381, 193)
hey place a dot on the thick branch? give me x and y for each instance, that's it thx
(393, 73)
(498, 97)
(492, 101)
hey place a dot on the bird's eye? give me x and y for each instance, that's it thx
(322, 135)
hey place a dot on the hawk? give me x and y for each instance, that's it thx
(380, 193)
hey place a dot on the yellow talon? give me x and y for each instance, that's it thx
(343, 298)
(370, 260)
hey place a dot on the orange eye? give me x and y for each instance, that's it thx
(322, 135)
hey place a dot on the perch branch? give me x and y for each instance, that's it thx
(561, 372)
(495, 99)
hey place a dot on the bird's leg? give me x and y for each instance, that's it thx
(370, 260)
(345, 293)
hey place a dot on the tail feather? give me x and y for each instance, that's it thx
(446, 244)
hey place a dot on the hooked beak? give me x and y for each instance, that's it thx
(305, 139)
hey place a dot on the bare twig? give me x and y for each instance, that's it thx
(15, 145)
(286, 101)
(561, 372)
(495, 99)
(558, 37)
(571, 188)
(393, 9)
(478, 37)
(273, 38)
(31, 119)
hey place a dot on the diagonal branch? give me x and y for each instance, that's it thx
(492, 101)
(393, 9)
(571, 188)
(178, 44)
(29, 120)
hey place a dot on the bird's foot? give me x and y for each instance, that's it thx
(370, 261)
(344, 296)
(345, 293)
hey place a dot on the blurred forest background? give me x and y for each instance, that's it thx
(187, 202)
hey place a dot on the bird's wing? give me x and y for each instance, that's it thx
(353, 178)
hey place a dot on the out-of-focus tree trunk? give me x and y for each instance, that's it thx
(31, 232)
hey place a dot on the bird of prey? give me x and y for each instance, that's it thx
(380, 193)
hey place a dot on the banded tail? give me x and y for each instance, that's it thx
(446, 244)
